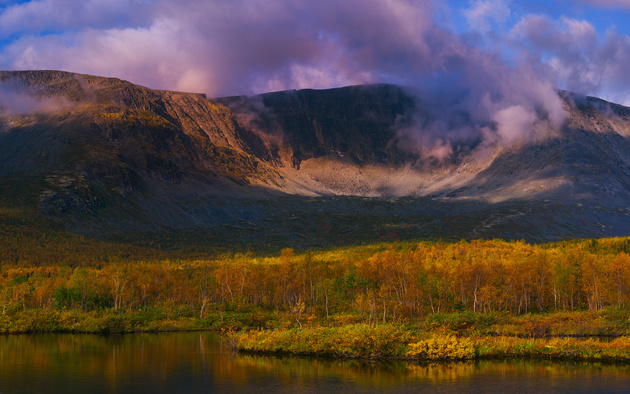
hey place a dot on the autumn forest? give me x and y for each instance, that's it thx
(386, 282)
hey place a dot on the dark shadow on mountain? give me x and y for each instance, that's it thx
(124, 160)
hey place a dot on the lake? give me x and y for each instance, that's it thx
(200, 363)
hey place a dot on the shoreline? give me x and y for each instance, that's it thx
(388, 342)
(418, 341)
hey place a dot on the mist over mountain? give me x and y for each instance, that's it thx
(103, 156)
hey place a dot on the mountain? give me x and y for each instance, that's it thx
(105, 157)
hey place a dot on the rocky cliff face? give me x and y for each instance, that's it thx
(104, 155)
(358, 123)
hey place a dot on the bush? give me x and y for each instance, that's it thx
(443, 347)
(350, 341)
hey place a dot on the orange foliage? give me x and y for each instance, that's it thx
(384, 282)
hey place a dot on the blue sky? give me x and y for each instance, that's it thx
(225, 47)
(603, 15)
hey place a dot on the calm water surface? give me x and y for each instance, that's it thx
(199, 363)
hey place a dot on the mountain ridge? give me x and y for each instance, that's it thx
(110, 157)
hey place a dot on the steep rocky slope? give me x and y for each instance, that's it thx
(94, 142)
(355, 122)
(102, 156)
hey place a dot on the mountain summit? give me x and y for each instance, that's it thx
(103, 156)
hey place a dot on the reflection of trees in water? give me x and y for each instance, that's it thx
(117, 362)
(397, 373)
(114, 360)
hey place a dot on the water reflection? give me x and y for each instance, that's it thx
(198, 362)
(480, 376)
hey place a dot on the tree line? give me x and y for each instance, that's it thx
(381, 282)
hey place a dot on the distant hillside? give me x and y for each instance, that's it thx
(105, 157)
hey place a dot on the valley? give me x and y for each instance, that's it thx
(126, 209)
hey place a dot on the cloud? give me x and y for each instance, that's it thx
(483, 13)
(482, 103)
(228, 47)
(223, 47)
(63, 15)
(159, 56)
(578, 59)
(15, 100)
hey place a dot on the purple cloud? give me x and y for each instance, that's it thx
(64, 15)
(231, 47)
(234, 47)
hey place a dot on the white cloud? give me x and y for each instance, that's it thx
(16, 101)
(483, 13)
(579, 59)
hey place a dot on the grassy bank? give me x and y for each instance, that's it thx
(398, 342)
(154, 319)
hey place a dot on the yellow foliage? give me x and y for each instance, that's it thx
(443, 347)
